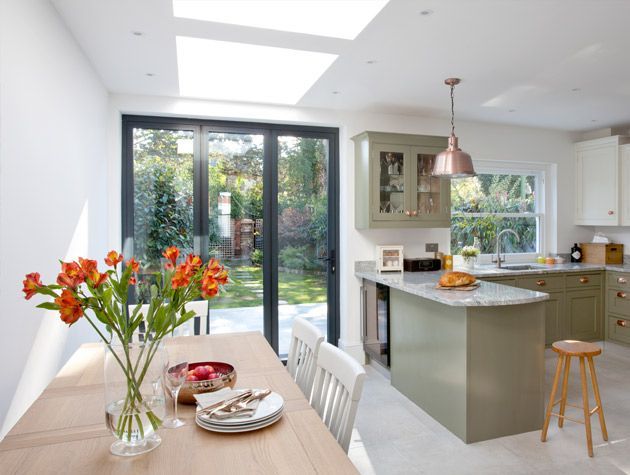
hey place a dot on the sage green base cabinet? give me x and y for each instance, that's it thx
(393, 183)
(574, 309)
(478, 371)
(618, 307)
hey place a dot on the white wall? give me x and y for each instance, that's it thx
(483, 141)
(53, 189)
(619, 235)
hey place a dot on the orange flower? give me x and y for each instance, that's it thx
(132, 281)
(171, 253)
(169, 265)
(222, 277)
(71, 275)
(113, 258)
(181, 277)
(214, 266)
(134, 264)
(209, 287)
(69, 307)
(96, 278)
(31, 284)
(193, 261)
(87, 265)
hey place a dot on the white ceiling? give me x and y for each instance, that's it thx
(520, 60)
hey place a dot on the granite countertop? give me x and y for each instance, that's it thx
(423, 284)
(487, 295)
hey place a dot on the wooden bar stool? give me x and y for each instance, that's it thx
(566, 349)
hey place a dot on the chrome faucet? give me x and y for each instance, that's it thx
(499, 259)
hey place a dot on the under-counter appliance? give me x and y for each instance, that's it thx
(419, 264)
(375, 321)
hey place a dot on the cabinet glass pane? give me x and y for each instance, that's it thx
(428, 187)
(392, 183)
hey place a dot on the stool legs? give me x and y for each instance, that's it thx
(554, 388)
(587, 412)
(565, 381)
(598, 400)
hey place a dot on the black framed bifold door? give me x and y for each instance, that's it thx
(262, 198)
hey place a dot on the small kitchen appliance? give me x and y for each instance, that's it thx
(420, 264)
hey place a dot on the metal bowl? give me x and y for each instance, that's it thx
(226, 379)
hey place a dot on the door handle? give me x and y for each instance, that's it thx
(621, 295)
(541, 283)
(622, 280)
(583, 280)
(331, 259)
(622, 323)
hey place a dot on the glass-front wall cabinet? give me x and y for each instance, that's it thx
(394, 186)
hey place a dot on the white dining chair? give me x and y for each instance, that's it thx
(336, 391)
(305, 342)
(195, 326)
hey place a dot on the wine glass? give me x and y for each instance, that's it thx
(174, 377)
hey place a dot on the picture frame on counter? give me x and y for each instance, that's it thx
(389, 258)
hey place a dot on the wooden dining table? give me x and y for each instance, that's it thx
(64, 430)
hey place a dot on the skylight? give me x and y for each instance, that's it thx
(243, 72)
(338, 19)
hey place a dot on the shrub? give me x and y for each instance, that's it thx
(256, 257)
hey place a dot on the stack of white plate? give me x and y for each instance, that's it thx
(269, 410)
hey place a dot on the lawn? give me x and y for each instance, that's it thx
(247, 288)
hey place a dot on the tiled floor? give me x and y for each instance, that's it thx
(393, 436)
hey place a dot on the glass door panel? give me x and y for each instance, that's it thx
(428, 187)
(390, 171)
(235, 228)
(304, 262)
(162, 198)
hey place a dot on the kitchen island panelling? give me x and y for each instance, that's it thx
(473, 360)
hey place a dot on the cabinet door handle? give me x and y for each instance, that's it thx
(622, 323)
(583, 280)
(622, 280)
(541, 283)
(610, 212)
(621, 295)
(407, 212)
(414, 213)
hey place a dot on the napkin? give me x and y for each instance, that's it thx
(207, 399)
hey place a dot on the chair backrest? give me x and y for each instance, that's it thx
(195, 326)
(305, 342)
(337, 390)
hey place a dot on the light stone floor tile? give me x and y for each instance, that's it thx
(394, 436)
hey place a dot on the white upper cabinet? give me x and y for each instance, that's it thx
(599, 183)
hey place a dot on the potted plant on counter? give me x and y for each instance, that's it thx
(469, 255)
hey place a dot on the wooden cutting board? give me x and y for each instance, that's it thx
(461, 287)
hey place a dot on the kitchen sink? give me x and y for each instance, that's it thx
(522, 267)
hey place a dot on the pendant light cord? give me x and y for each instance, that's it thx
(452, 110)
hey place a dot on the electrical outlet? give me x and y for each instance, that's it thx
(431, 247)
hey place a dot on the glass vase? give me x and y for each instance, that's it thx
(134, 395)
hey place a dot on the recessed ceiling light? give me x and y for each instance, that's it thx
(593, 120)
(336, 92)
(137, 33)
(149, 74)
(243, 72)
(426, 12)
(339, 19)
(512, 110)
(371, 61)
(576, 89)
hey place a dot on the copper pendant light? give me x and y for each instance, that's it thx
(453, 162)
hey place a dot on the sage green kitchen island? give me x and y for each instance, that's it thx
(474, 361)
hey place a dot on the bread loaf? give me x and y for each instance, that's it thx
(456, 279)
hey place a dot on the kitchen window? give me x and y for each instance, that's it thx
(501, 196)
